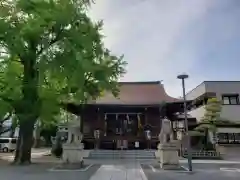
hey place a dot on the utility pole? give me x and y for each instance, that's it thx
(189, 155)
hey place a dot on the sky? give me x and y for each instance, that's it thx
(161, 39)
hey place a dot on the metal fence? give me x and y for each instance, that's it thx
(203, 154)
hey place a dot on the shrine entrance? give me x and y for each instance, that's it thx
(122, 144)
(122, 128)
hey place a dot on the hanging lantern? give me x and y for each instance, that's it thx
(148, 134)
(127, 118)
(96, 134)
(139, 122)
(105, 125)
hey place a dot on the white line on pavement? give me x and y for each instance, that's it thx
(230, 169)
(153, 169)
(211, 161)
(144, 177)
(70, 170)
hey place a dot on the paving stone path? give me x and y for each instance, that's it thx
(119, 172)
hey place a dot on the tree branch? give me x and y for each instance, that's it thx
(53, 41)
(5, 130)
(8, 100)
(6, 118)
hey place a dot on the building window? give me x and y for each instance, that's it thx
(228, 138)
(222, 138)
(230, 99)
(237, 137)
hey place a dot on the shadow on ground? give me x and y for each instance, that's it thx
(41, 171)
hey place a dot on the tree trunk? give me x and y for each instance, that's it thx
(28, 108)
(17, 148)
(24, 144)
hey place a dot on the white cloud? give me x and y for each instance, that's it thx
(148, 33)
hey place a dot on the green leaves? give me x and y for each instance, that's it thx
(211, 116)
(59, 49)
(203, 127)
(213, 109)
(10, 83)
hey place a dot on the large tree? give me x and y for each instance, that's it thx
(51, 53)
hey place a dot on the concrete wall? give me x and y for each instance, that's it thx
(228, 130)
(229, 112)
(196, 92)
(223, 87)
(219, 87)
(229, 152)
(197, 113)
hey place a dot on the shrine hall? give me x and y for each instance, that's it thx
(135, 115)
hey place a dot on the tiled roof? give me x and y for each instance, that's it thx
(138, 93)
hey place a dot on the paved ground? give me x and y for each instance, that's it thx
(41, 172)
(38, 155)
(119, 170)
(200, 171)
(123, 171)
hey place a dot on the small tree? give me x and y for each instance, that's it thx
(210, 119)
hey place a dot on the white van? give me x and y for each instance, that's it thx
(8, 144)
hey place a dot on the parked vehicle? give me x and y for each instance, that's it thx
(8, 144)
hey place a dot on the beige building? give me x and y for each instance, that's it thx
(226, 91)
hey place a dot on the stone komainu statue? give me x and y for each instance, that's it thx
(166, 131)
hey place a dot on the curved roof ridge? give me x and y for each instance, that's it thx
(167, 95)
(138, 93)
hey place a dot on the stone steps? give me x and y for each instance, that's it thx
(122, 154)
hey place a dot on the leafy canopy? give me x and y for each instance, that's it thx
(211, 115)
(61, 46)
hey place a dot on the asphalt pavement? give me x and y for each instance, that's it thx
(124, 170)
(200, 171)
(41, 172)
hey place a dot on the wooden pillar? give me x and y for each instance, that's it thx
(80, 117)
(99, 128)
(160, 118)
(105, 124)
(139, 125)
(80, 123)
(146, 117)
(98, 119)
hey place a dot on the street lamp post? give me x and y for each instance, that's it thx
(189, 156)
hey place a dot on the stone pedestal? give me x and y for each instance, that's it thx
(73, 153)
(168, 153)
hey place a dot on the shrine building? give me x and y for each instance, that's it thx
(134, 116)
